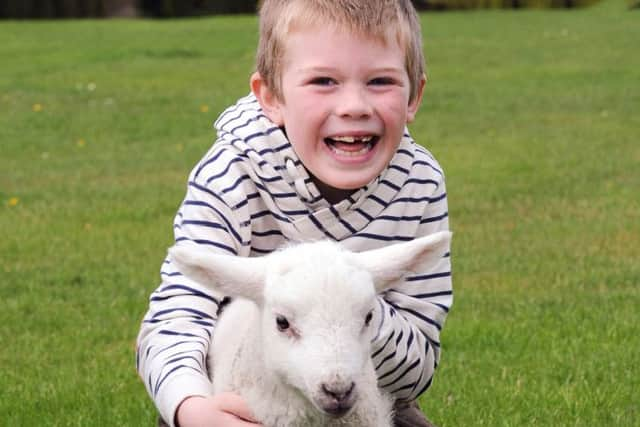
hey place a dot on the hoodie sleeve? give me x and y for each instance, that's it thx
(176, 331)
(406, 350)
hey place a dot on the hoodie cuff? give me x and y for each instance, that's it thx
(176, 390)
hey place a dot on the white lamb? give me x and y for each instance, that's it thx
(295, 341)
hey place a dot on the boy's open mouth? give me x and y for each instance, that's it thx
(351, 146)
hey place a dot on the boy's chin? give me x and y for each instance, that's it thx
(336, 190)
(356, 179)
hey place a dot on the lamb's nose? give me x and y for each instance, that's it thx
(340, 392)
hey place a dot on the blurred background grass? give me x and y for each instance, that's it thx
(533, 114)
(180, 8)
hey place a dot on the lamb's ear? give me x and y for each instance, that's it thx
(230, 275)
(390, 263)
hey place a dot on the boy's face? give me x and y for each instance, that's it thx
(345, 103)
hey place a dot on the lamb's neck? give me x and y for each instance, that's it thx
(251, 353)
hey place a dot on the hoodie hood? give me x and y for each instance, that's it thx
(245, 127)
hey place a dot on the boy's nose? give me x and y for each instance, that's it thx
(353, 104)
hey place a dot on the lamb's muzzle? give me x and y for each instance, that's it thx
(337, 399)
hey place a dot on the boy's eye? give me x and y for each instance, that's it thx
(322, 81)
(381, 81)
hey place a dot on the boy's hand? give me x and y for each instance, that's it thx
(224, 409)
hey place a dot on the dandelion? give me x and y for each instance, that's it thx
(450, 399)
(204, 108)
(37, 108)
(81, 143)
(179, 147)
(14, 201)
(91, 87)
(88, 226)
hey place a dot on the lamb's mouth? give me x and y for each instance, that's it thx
(338, 410)
(351, 146)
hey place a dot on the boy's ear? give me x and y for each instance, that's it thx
(415, 103)
(267, 98)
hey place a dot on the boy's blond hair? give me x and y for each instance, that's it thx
(380, 19)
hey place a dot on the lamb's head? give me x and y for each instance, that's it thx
(317, 323)
(319, 307)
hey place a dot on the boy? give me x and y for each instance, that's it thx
(319, 150)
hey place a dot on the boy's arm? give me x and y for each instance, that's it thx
(406, 350)
(173, 342)
(176, 331)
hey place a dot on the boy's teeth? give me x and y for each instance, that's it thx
(352, 139)
(364, 150)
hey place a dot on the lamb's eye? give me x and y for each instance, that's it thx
(282, 323)
(367, 319)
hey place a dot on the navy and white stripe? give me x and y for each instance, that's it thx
(242, 199)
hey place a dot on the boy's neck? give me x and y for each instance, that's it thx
(331, 194)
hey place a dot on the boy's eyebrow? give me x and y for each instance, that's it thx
(389, 70)
(325, 69)
(315, 69)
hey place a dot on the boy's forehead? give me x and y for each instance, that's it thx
(319, 36)
(321, 25)
(321, 49)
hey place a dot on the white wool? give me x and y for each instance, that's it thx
(296, 335)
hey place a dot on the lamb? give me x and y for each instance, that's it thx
(295, 340)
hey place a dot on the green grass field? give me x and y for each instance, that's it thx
(533, 114)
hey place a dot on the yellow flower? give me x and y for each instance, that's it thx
(14, 201)
(81, 143)
(179, 147)
(204, 108)
(37, 108)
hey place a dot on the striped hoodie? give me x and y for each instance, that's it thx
(249, 195)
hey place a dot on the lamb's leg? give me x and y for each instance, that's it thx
(410, 415)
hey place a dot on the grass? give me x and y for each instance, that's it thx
(533, 114)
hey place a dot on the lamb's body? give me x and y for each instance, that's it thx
(295, 342)
(238, 366)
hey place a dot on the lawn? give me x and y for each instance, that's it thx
(533, 114)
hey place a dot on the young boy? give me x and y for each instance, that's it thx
(319, 150)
